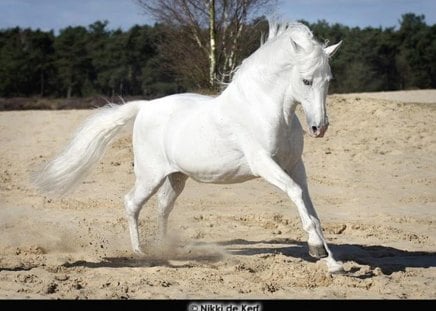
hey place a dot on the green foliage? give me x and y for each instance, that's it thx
(84, 61)
(26, 62)
(376, 59)
(93, 60)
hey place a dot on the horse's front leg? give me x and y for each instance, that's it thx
(318, 247)
(295, 187)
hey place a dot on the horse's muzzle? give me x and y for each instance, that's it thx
(318, 131)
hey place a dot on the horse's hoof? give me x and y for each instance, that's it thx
(337, 271)
(317, 251)
(335, 267)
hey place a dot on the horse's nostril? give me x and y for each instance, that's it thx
(314, 128)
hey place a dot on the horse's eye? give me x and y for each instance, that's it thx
(307, 82)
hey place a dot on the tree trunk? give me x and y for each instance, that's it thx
(212, 39)
(42, 84)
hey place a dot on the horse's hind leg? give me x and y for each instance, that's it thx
(133, 203)
(169, 191)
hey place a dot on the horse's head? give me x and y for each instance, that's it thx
(310, 76)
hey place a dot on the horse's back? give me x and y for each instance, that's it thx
(156, 113)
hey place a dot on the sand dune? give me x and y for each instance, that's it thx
(372, 179)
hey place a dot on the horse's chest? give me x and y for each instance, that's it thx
(288, 146)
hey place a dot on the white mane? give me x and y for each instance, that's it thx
(277, 53)
(276, 29)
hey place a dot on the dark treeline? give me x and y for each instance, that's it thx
(83, 61)
(376, 59)
(93, 60)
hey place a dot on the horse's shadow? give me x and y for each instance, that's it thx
(198, 252)
(388, 259)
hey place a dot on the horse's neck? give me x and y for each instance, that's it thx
(263, 97)
(258, 98)
(264, 78)
(265, 114)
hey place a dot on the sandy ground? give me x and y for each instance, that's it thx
(372, 179)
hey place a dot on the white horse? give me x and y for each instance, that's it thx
(250, 130)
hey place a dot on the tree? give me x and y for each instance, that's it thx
(416, 57)
(26, 62)
(73, 61)
(41, 54)
(215, 27)
(170, 57)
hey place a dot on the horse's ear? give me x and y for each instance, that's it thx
(332, 49)
(295, 47)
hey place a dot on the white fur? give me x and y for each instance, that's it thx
(250, 130)
(87, 147)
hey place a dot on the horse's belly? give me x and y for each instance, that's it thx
(213, 165)
(222, 178)
(209, 158)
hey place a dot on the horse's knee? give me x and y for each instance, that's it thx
(295, 193)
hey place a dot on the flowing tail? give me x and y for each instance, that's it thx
(62, 173)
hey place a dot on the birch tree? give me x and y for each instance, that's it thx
(216, 27)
